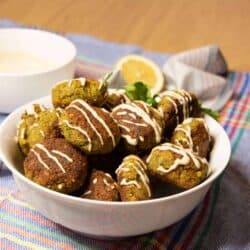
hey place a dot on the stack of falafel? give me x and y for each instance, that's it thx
(98, 142)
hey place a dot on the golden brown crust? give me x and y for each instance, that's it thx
(91, 129)
(193, 134)
(115, 98)
(141, 126)
(176, 108)
(186, 174)
(91, 91)
(101, 187)
(132, 179)
(65, 177)
(35, 127)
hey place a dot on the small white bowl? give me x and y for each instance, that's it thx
(109, 219)
(57, 53)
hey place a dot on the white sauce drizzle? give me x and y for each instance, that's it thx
(135, 123)
(79, 129)
(132, 115)
(120, 93)
(42, 133)
(87, 192)
(183, 97)
(125, 182)
(145, 117)
(62, 155)
(189, 120)
(122, 113)
(108, 175)
(185, 153)
(175, 107)
(98, 118)
(82, 81)
(187, 131)
(60, 186)
(44, 149)
(40, 159)
(31, 110)
(145, 107)
(104, 110)
(130, 140)
(124, 127)
(154, 124)
(88, 120)
(34, 126)
(141, 138)
(139, 166)
(58, 112)
(190, 100)
(106, 182)
(194, 159)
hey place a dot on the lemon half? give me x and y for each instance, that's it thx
(135, 68)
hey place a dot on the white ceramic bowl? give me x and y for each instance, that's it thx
(110, 219)
(20, 88)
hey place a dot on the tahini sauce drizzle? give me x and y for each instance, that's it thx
(98, 118)
(187, 155)
(44, 149)
(139, 167)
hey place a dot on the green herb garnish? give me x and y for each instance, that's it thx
(106, 77)
(140, 91)
(210, 112)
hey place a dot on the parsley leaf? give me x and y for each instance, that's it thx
(210, 112)
(140, 91)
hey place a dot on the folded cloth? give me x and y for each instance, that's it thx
(200, 71)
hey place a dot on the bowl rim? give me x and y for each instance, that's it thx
(47, 33)
(208, 181)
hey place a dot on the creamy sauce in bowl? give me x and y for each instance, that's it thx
(23, 62)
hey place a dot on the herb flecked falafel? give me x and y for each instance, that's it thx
(177, 166)
(57, 165)
(91, 91)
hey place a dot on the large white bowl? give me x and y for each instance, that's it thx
(20, 88)
(110, 219)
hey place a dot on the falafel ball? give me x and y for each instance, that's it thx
(36, 125)
(133, 180)
(57, 165)
(101, 187)
(114, 98)
(91, 91)
(193, 134)
(141, 126)
(89, 128)
(177, 166)
(177, 105)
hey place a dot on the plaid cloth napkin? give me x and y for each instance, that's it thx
(221, 221)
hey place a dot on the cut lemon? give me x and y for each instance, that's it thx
(136, 68)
